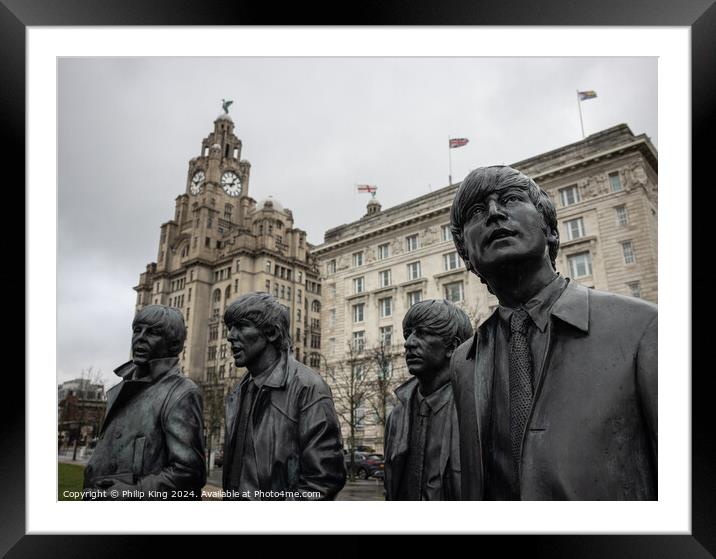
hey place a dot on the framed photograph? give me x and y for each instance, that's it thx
(111, 84)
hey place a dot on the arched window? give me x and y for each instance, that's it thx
(227, 211)
(316, 306)
(227, 294)
(217, 295)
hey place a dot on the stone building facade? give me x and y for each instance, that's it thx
(81, 404)
(219, 245)
(605, 191)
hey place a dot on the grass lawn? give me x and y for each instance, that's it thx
(70, 478)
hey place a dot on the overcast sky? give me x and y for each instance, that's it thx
(312, 129)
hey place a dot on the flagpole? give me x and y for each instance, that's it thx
(581, 122)
(449, 163)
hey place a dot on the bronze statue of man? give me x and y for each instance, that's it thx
(556, 395)
(283, 440)
(422, 452)
(151, 444)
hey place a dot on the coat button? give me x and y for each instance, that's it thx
(117, 435)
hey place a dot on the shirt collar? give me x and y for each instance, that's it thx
(157, 368)
(276, 377)
(437, 399)
(539, 306)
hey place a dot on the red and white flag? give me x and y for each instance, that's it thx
(458, 142)
(367, 188)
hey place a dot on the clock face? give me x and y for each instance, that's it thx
(231, 183)
(196, 182)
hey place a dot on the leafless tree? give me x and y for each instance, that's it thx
(352, 389)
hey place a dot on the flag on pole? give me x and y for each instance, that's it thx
(367, 188)
(584, 95)
(458, 142)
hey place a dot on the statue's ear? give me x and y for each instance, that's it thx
(273, 334)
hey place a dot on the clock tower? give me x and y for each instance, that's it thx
(221, 244)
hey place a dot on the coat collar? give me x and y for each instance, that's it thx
(157, 368)
(436, 400)
(279, 376)
(573, 306)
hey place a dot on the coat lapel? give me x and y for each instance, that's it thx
(484, 373)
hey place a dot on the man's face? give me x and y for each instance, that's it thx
(425, 352)
(505, 228)
(247, 343)
(148, 342)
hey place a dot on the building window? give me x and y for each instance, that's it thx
(575, 228)
(315, 341)
(358, 312)
(384, 277)
(615, 182)
(288, 293)
(209, 222)
(386, 335)
(331, 346)
(268, 286)
(358, 285)
(411, 242)
(569, 195)
(332, 318)
(300, 274)
(283, 292)
(213, 332)
(314, 360)
(451, 261)
(454, 291)
(211, 354)
(383, 251)
(299, 295)
(217, 295)
(628, 250)
(357, 259)
(188, 297)
(268, 266)
(222, 351)
(298, 315)
(622, 215)
(386, 307)
(634, 289)
(207, 242)
(358, 341)
(222, 371)
(447, 233)
(275, 290)
(414, 297)
(413, 270)
(359, 374)
(330, 267)
(580, 265)
(315, 306)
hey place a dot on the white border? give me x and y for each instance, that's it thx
(671, 514)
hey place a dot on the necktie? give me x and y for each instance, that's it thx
(520, 382)
(246, 405)
(416, 454)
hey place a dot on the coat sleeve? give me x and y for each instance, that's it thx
(322, 467)
(646, 378)
(183, 431)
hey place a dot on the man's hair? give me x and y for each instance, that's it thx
(439, 317)
(483, 181)
(264, 312)
(171, 322)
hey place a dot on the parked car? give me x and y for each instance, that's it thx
(366, 465)
(219, 458)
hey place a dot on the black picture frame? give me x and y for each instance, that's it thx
(17, 15)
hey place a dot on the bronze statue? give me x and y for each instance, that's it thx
(225, 104)
(283, 440)
(422, 452)
(151, 444)
(556, 395)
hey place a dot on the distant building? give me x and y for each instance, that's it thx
(221, 244)
(81, 406)
(372, 270)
